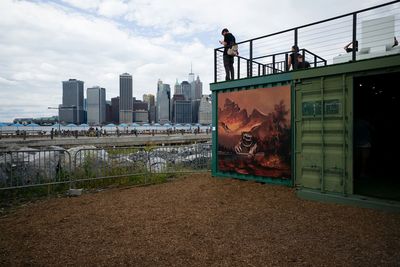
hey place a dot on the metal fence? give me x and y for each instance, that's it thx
(322, 43)
(29, 168)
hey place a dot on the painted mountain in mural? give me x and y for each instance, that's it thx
(234, 119)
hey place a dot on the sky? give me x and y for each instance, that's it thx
(43, 43)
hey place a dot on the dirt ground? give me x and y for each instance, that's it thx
(197, 221)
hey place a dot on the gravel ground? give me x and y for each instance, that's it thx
(198, 221)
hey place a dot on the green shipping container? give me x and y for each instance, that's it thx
(318, 136)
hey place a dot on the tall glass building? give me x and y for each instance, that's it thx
(163, 102)
(125, 98)
(96, 105)
(71, 110)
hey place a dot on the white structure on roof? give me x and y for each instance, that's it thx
(377, 39)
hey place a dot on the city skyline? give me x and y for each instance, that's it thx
(45, 42)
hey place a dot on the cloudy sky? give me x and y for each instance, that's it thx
(45, 42)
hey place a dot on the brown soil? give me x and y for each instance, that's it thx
(198, 221)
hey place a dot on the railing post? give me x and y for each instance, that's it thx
(286, 62)
(273, 64)
(264, 69)
(251, 58)
(355, 44)
(215, 66)
(238, 68)
(295, 36)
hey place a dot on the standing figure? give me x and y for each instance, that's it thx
(292, 60)
(228, 41)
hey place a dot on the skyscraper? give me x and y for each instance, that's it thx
(125, 98)
(205, 110)
(198, 88)
(163, 102)
(186, 90)
(150, 100)
(191, 74)
(96, 105)
(115, 110)
(183, 111)
(71, 109)
(177, 88)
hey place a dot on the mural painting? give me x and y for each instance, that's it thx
(254, 132)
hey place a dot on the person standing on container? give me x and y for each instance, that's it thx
(292, 60)
(228, 41)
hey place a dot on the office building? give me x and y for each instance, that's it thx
(115, 110)
(96, 105)
(163, 102)
(140, 116)
(182, 111)
(150, 100)
(205, 110)
(125, 98)
(195, 110)
(198, 89)
(108, 111)
(139, 105)
(177, 88)
(71, 110)
(186, 90)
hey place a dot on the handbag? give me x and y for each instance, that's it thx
(234, 50)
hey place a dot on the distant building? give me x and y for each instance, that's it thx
(44, 121)
(163, 102)
(186, 90)
(115, 110)
(182, 111)
(198, 88)
(205, 110)
(108, 111)
(96, 105)
(140, 116)
(150, 100)
(71, 110)
(125, 100)
(153, 114)
(191, 74)
(139, 105)
(195, 110)
(177, 88)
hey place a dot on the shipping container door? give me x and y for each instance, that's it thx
(322, 134)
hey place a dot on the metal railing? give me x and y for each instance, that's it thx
(29, 168)
(322, 43)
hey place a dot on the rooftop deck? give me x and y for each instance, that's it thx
(321, 43)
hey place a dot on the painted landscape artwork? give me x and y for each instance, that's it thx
(254, 132)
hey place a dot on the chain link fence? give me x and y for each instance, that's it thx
(32, 167)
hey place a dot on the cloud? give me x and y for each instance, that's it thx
(44, 43)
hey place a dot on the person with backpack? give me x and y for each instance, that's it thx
(228, 42)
